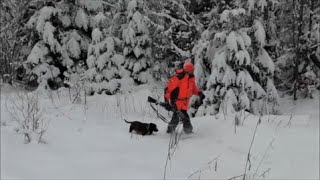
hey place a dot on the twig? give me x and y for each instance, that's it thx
(119, 105)
(167, 160)
(28, 115)
(56, 107)
(173, 144)
(278, 125)
(263, 174)
(315, 45)
(245, 117)
(270, 145)
(236, 177)
(290, 110)
(281, 122)
(109, 4)
(200, 170)
(289, 122)
(216, 166)
(176, 142)
(169, 17)
(77, 95)
(248, 156)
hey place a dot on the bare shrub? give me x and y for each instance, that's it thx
(25, 110)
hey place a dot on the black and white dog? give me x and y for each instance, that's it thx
(142, 128)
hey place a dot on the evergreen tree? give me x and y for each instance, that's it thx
(14, 36)
(105, 64)
(62, 28)
(240, 71)
(173, 43)
(298, 65)
(137, 44)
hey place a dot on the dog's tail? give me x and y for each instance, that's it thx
(127, 121)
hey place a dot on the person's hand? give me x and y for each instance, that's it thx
(173, 107)
(167, 106)
(201, 95)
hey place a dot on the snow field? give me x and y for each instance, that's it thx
(95, 143)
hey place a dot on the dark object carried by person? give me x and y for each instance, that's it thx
(166, 105)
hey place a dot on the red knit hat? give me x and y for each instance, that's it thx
(188, 66)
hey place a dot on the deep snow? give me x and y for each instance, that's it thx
(95, 143)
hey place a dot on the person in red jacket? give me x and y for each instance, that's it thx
(179, 90)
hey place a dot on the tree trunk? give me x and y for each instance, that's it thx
(266, 12)
(298, 49)
(310, 17)
(294, 44)
(315, 59)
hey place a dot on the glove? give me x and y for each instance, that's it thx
(201, 95)
(151, 100)
(173, 107)
(167, 106)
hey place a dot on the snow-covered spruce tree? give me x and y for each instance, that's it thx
(17, 39)
(180, 30)
(119, 18)
(13, 16)
(298, 64)
(105, 64)
(42, 58)
(104, 21)
(159, 41)
(241, 70)
(62, 44)
(137, 44)
(201, 9)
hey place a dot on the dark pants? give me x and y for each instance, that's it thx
(180, 115)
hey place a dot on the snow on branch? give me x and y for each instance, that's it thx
(108, 4)
(260, 33)
(82, 19)
(266, 60)
(173, 20)
(160, 27)
(180, 51)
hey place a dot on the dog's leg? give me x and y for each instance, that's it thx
(137, 136)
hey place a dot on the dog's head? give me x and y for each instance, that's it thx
(153, 127)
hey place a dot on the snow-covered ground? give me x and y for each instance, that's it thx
(93, 142)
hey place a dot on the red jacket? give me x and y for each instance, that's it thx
(186, 88)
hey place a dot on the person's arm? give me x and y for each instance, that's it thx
(172, 84)
(197, 92)
(195, 89)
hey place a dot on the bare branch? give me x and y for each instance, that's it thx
(289, 122)
(57, 108)
(209, 163)
(263, 174)
(108, 4)
(270, 145)
(236, 177)
(173, 144)
(26, 112)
